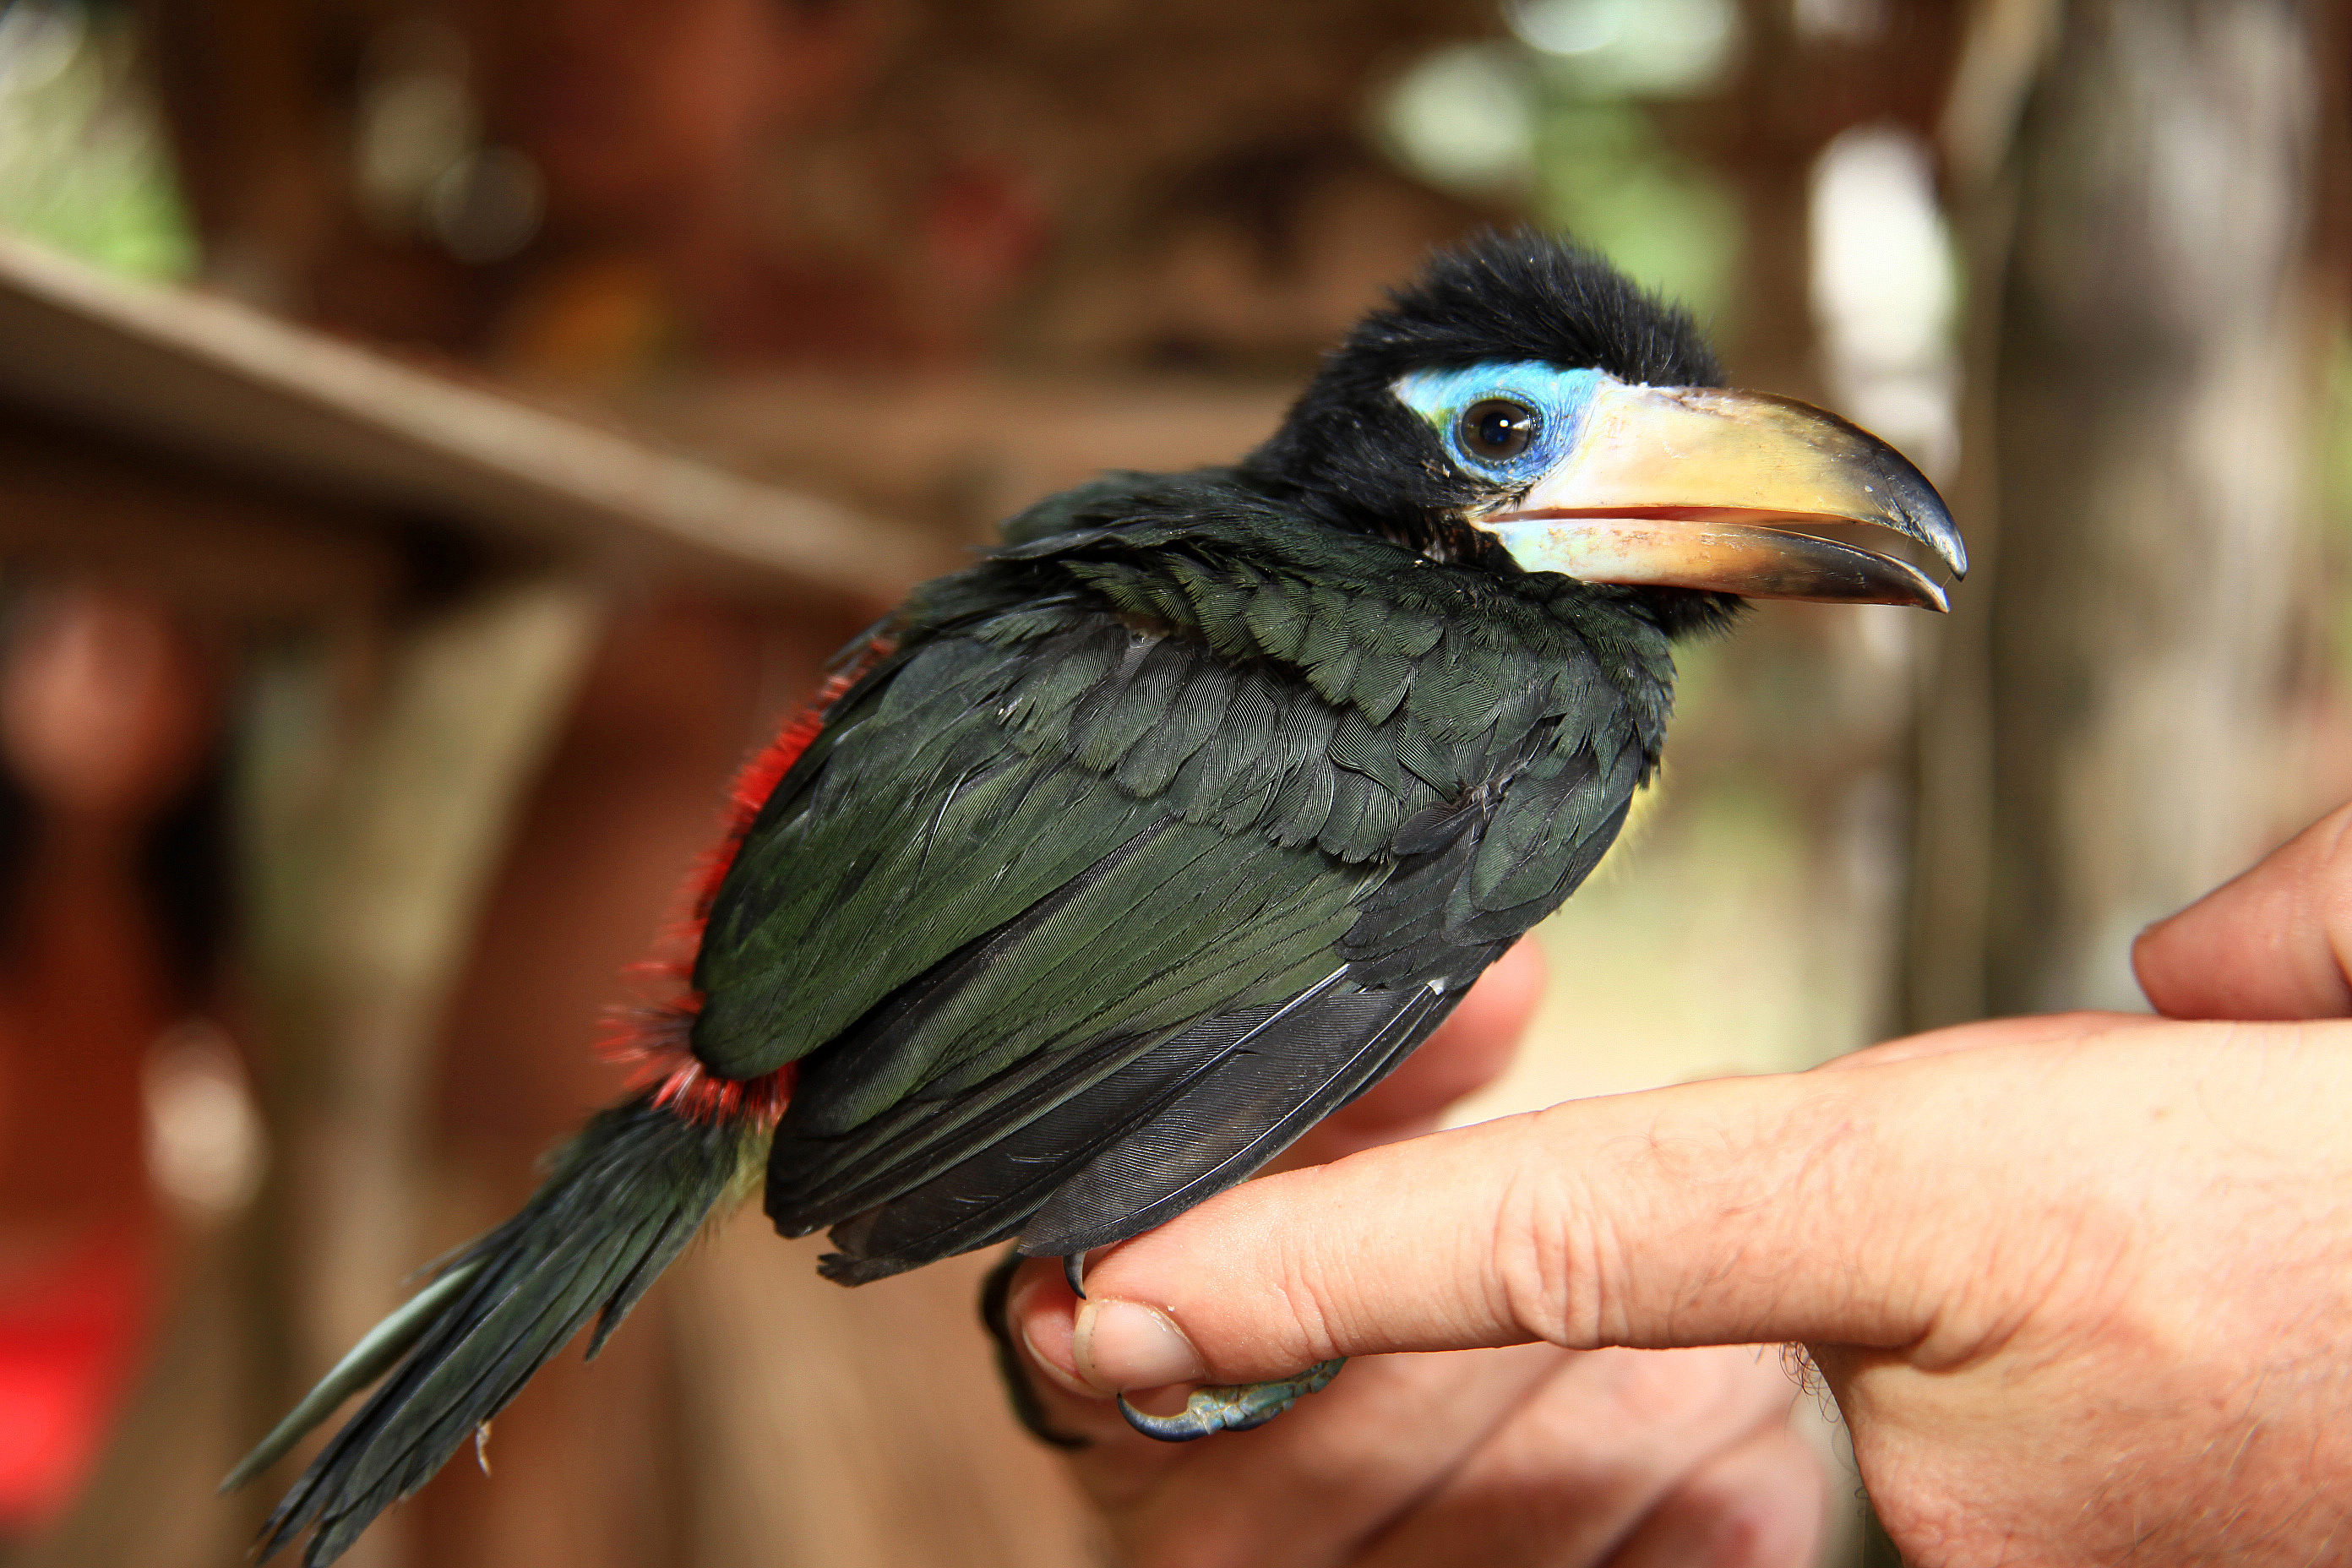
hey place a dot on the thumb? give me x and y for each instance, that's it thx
(2270, 944)
(1723, 1213)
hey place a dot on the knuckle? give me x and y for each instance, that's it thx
(1546, 1248)
(1311, 1286)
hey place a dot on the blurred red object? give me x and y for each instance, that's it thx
(71, 1332)
(107, 716)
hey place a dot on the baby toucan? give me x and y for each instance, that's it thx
(1104, 870)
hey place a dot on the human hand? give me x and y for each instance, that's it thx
(2082, 1285)
(1533, 1454)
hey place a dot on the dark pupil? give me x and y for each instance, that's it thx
(1496, 429)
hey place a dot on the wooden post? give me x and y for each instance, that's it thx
(382, 767)
(2147, 377)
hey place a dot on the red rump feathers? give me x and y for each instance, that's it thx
(659, 1039)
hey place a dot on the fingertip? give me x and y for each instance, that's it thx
(1041, 1313)
(2269, 943)
(1122, 1346)
(2149, 970)
(2168, 957)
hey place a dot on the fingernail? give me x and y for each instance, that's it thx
(1124, 1345)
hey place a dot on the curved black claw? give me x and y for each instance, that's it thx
(1027, 1408)
(1235, 1407)
(1074, 1270)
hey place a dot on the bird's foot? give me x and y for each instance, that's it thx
(1232, 1407)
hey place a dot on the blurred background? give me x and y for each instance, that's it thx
(437, 439)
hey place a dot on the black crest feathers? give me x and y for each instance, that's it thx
(1526, 295)
(1352, 451)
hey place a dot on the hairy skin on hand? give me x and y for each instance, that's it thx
(2082, 1285)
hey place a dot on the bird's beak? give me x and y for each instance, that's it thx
(1741, 492)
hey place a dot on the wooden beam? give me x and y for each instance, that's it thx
(184, 372)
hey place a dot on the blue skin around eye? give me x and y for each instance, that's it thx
(1560, 398)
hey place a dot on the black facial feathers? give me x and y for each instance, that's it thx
(1352, 452)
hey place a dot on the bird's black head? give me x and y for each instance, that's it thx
(1526, 404)
(1352, 445)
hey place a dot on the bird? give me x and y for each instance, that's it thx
(1104, 869)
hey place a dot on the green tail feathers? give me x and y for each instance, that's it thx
(625, 1196)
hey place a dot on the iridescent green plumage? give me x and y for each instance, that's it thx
(1127, 789)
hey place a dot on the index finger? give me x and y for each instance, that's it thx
(1614, 1221)
(2274, 943)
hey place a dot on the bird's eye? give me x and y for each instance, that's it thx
(1496, 429)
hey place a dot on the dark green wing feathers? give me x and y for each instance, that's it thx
(1156, 840)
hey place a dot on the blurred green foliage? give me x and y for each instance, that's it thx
(1605, 173)
(83, 165)
(1556, 117)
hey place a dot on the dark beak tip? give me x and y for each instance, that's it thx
(1923, 516)
(1949, 544)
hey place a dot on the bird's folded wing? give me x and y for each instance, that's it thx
(1198, 1111)
(1050, 868)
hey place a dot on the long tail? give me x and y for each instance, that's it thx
(625, 1196)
